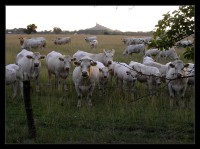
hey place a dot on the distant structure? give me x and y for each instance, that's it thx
(101, 27)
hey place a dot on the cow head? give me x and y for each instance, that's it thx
(108, 56)
(85, 65)
(66, 61)
(36, 57)
(179, 66)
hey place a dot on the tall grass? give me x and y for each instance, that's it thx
(116, 117)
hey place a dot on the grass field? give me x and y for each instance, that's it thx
(114, 118)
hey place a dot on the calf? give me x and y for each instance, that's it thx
(104, 75)
(138, 48)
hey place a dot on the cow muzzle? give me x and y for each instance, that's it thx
(84, 74)
(36, 64)
(109, 62)
(179, 75)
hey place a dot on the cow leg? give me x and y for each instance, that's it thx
(65, 85)
(58, 82)
(171, 92)
(37, 84)
(14, 89)
(182, 94)
(149, 84)
(49, 78)
(89, 96)
(21, 88)
(100, 88)
(78, 91)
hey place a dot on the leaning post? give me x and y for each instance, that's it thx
(29, 111)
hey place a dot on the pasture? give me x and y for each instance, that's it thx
(116, 117)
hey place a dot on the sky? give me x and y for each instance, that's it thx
(71, 18)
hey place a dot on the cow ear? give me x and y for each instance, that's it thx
(73, 59)
(42, 56)
(29, 56)
(77, 63)
(61, 59)
(171, 65)
(93, 63)
(186, 65)
(110, 70)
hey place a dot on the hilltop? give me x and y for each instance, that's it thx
(101, 27)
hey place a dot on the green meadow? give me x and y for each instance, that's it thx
(115, 118)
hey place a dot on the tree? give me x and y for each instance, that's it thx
(57, 30)
(30, 29)
(175, 27)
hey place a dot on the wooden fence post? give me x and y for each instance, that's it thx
(28, 107)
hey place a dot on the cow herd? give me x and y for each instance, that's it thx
(93, 70)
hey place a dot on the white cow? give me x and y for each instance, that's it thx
(93, 44)
(168, 54)
(89, 39)
(31, 65)
(184, 43)
(152, 53)
(13, 77)
(138, 48)
(85, 78)
(176, 84)
(35, 42)
(125, 76)
(162, 68)
(58, 65)
(148, 74)
(133, 41)
(62, 40)
(106, 57)
(104, 75)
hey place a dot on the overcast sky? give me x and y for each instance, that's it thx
(123, 18)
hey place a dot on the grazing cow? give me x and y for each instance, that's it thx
(35, 42)
(93, 44)
(62, 40)
(125, 76)
(152, 52)
(168, 54)
(106, 57)
(177, 84)
(14, 76)
(148, 74)
(138, 48)
(59, 65)
(85, 78)
(184, 43)
(133, 41)
(31, 65)
(104, 75)
(162, 68)
(89, 39)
